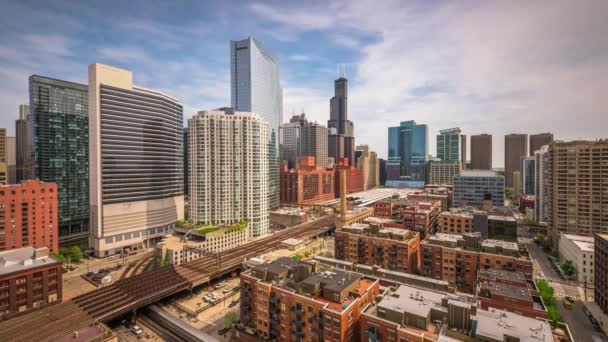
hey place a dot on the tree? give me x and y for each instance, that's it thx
(76, 253)
(230, 318)
(306, 254)
(568, 268)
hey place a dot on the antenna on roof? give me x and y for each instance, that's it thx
(341, 70)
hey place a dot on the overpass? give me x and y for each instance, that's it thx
(129, 294)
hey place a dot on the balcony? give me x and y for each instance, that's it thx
(297, 323)
(274, 300)
(297, 311)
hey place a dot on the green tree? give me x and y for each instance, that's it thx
(306, 254)
(230, 318)
(165, 261)
(76, 253)
(568, 268)
(297, 257)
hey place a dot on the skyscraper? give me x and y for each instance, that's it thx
(463, 151)
(407, 155)
(368, 163)
(11, 160)
(341, 130)
(304, 138)
(576, 187)
(186, 164)
(3, 159)
(136, 161)
(473, 187)
(538, 140)
(516, 147)
(59, 136)
(448, 145)
(23, 143)
(541, 159)
(528, 175)
(229, 169)
(481, 152)
(255, 87)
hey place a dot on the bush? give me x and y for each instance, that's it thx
(307, 254)
(59, 256)
(555, 254)
(230, 318)
(568, 268)
(297, 257)
(76, 253)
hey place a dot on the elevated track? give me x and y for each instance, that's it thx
(129, 294)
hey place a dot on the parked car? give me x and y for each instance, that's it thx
(220, 285)
(228, 289)
(233, 303)
(136, 330)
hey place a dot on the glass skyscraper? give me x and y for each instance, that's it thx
(448, 145)
(407, 154)
(59, 134)
(255, 87)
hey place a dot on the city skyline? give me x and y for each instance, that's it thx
(469, 94)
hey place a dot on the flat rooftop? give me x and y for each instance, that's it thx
(497, 324)
(499, 274)
(412, 300)
(22, 259)
(507, 290)
(477, 173)
(289, 211)
(584, 243)
(499, 243)
(368, 197)
(445, 237)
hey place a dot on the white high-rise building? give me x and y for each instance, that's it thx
(540, 187)
(135, 162)
(256, 87)
(229, 173)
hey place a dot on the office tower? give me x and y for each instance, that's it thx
(368, 163)
(540, 185)
(32, 208)
(341, 130)
(516, 147)
(303, 138)
(3, 158)
(448, 145)
(185, 162)
(517, 185)
(11, 160)
(23, 143)
(229, 175)
(576, 188)
(443, 172)
(539, 140)
(472, 188)
(481, 152)
(59, 136)
(308, 184)
(136, 170)
(255, 87)
(463, 151)
(528, 176)
(382, 171)
(407, 155)
(600, 265)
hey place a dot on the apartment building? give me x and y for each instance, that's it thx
(29, 279)
(441, 194)
(600, 268)
(309, 184)
(421, 217)
(394, 249)
(28, 216)
(289, 300)
(443, 172)
(457, 258)
(472, 188)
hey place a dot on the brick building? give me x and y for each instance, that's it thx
(394, 249)
(600, 256)
(289, 300)
(418, 216)
(354, 177)
(442, 195)
(457, 259)
(308, 184)
(29, 278)
(28, 215)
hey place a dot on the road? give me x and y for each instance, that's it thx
(96, 264)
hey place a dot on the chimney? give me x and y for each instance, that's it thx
(343, 194)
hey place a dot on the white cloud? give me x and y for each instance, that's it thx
(299, 58)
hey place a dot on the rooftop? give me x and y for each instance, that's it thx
(366, 198)
(506, 290)
(289, 211)
(498, 274)
(17, 260)
(411, 299)
(478, 173)
(498, 324)
(292, 242)
(584, 243)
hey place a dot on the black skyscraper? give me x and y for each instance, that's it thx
(341, 131)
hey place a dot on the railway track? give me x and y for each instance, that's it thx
(160, 331)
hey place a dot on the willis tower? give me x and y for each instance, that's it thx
(341, 140)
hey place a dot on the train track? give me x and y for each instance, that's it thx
(160, 331)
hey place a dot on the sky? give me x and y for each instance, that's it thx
(495, 67)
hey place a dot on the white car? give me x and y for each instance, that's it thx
(541, 274)
(136, 330)
(228, 289)
(220, 285)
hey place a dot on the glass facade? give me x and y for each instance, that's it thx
(256, 88)
(448, 144)
(471, 188)
(59, 134)
(408, 148)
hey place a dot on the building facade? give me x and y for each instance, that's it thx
(580, 250)
(539, 140)
(481, 152)
(516, 148)
(11, 160)
(368, 163)
(29, 279)
(136, 155)
(575, 184)
(443, 172)
(23, 143)
(255, 84)
(28, 216)
(528, 177)
(354, 177)
(59, 135)
(341, 140)
(407, 155)
(600, 268)
(3, 158)
(448, 145)
(541, 159)
(303, 138)
(471, 188)
(309, 184)
(229, 169)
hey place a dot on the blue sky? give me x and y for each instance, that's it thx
(487, 67)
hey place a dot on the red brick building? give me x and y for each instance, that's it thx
(289, 300)
(28, 215)
(307, 185)
(29, 279)
(354, 177)
(418, 216)
(393, 249)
